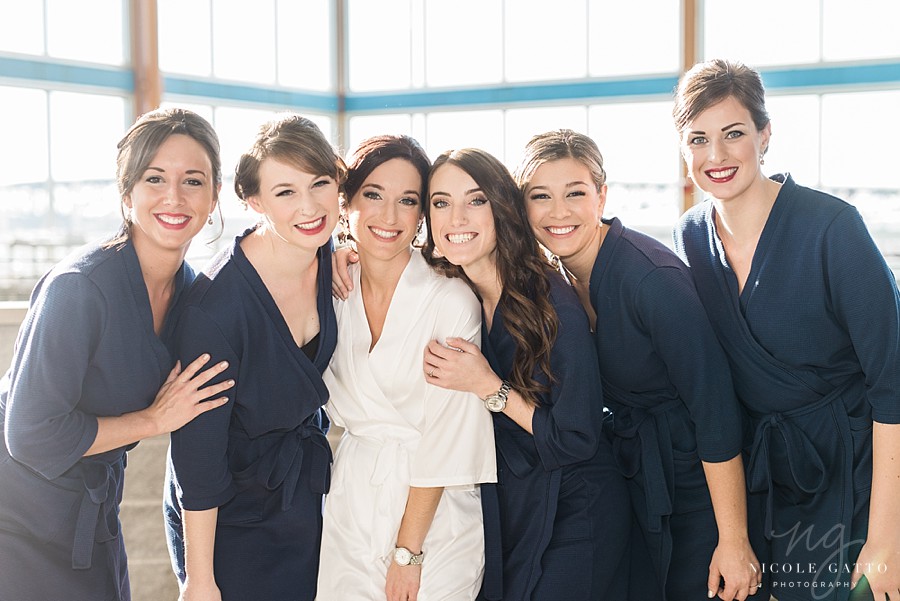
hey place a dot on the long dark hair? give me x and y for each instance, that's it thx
(521, 267)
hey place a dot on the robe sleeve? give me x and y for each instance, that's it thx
(567, 429)
(44, 428)
(457, 443)
(668, 307)
(863, 294)
(199, 449)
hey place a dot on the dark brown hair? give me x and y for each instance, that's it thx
(521, 267)
(141, 143)
(293, 140)
(378, 150)
(711, 82)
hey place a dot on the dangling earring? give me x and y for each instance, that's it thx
(762, 158)
(209, 220)
(420, 228)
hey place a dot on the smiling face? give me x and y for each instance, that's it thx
(722, 149)
(384, 213)
(171, 201)
(462, 223)
(299, 208)
(564, 207)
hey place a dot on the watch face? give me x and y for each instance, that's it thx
(402, 556)
(495, 403)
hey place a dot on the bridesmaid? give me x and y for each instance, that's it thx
(676, 422)
(243, 506)
(809, 315)
(557, 522)
(91, 375)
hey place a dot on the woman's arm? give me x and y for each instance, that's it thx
(734, 559)
(199, 543)
(461, 366)
(879, 559)
(179, 401)
(421, 505)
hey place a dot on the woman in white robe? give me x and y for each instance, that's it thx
(403, 516)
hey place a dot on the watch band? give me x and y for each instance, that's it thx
(496, 402)
(405, 557)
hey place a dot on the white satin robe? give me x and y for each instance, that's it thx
(401, 432)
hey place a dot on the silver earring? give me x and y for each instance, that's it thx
(762, 159)
(209, 220)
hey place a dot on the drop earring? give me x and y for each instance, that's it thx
(209, 220)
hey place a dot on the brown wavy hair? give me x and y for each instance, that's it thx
(521, 268)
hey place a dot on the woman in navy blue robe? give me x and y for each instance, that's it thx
(675, 420)
(91, 374)
(557, 522)
(809, 315)
(245, 483)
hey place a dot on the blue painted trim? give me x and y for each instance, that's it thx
(119, 79)
(46, 71)
(511, 94)
(323, 102)
(832, 76)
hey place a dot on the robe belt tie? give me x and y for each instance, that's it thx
(390, 477)
(806, 471)
(652, 455)
(281, 466)
(98, 486)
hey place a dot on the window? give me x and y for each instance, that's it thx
(267, 42)
(765, 32)
(545, 40)
(87, 30)
(873, 21)
(460, 49)
(379, 48)
(639, 36)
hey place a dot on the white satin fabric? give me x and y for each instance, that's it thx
(401, 432)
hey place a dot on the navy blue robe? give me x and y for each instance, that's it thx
(262, 458)
(558, 519)
(668, 385)
(86, 349)
(814, 345)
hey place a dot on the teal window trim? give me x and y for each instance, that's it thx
(819, 78)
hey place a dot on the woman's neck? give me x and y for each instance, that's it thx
(581, 264)
(379, 278)
(487, 283)
(742, 219)
(267, 251)
(158, 265)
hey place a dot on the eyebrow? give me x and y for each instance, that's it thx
(189, 171)
(467, 193)
(410, 191)
(577, 182)
(726, 128)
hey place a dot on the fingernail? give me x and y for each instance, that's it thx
(223, 364)
(205, 357)
(710, 594)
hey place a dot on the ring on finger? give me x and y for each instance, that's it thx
(431, 373)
